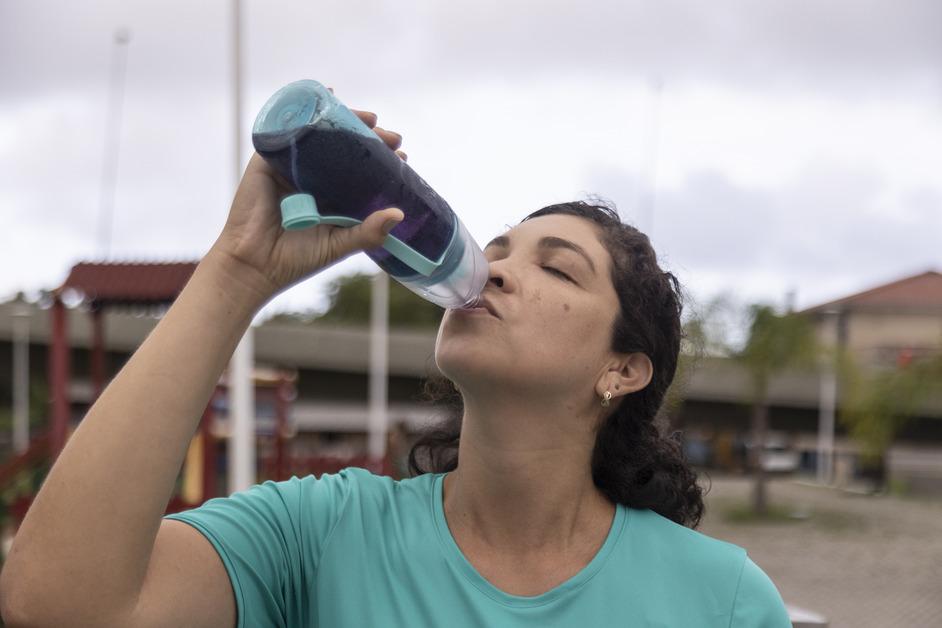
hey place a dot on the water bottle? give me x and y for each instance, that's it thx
(343, 172)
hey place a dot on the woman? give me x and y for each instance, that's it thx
(567, 508)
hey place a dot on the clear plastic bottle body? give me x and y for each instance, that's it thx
(328, 153)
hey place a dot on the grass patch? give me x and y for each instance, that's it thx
(742, 513)
(833, 521)
(898, 487)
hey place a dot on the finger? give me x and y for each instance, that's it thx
(284, 183)
(369, 234)
(392, 139)
(257, 163)
(369, 118)
(402, 155)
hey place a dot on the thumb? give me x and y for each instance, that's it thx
(371, 233)
(391, 217)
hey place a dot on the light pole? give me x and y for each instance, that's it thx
(21, 315)
(242, 463)
(827, 404)
(648, 184)
(379, 363)
(109, 170)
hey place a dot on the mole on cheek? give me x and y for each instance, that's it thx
(566, 306)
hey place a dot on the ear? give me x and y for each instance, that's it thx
(632, 373)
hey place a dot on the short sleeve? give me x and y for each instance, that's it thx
(758, 604)
(270, 538)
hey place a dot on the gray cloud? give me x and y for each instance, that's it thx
(861, 44)
(842, 46)
(828, 227)
(55, 57)
(49, 48)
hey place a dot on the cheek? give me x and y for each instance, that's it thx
(567, 329)
(589, 329)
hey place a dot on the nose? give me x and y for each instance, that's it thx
(496, 274)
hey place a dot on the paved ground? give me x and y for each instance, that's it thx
(862, 561)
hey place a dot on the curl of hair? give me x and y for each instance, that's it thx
(633, 462)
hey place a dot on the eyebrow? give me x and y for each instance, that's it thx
(548, 242)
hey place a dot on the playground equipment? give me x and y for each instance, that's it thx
(154, 287)
(206, 460)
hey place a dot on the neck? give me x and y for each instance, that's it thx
(523, 486)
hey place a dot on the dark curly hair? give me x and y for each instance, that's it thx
(633, 463)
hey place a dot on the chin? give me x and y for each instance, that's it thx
(463, 361)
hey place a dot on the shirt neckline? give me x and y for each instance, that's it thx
(454, 555)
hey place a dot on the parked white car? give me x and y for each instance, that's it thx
(777, 456)
(779, 459)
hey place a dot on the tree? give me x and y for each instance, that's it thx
(776, 343)
(704, 335)
(880, 401)
(38, 408)
(350, 304)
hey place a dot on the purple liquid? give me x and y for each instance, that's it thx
(351, 175)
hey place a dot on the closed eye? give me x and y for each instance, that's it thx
(558, 272)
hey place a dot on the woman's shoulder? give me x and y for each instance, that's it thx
(682, 555)
(671, 543)
(370, 481)
(369, 488)
(657, 523)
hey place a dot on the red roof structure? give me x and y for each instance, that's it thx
(136, 285)
(921, 292)
(128, 283)
(103, 285)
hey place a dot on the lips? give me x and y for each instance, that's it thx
(487, 305)
(483, 306)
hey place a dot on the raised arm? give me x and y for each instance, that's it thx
(85, 554)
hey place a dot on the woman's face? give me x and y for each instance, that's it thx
(552, 335)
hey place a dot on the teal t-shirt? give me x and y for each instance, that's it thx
(353, 549)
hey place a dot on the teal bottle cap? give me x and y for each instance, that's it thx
(299, 211)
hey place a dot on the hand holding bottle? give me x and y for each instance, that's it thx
(344, 172)
(273, 259)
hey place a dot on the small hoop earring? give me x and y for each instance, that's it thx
(606, 399)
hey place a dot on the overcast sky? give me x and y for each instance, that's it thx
(765, 146)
